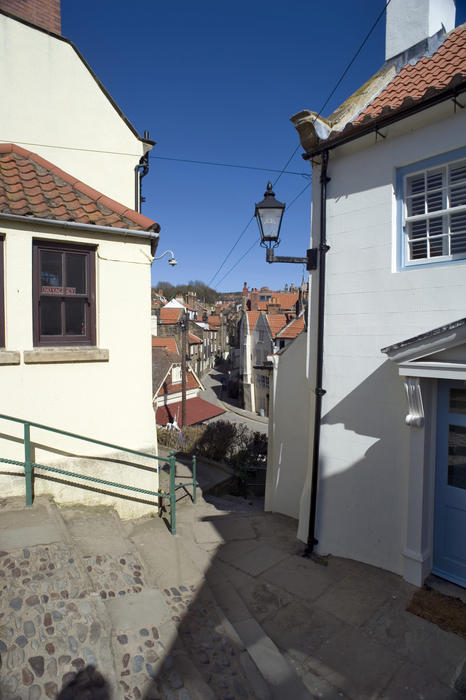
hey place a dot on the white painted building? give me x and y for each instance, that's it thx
(391, 468)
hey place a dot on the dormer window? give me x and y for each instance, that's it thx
(176, 375)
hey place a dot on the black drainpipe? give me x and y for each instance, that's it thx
(140, 171)
(319, 391)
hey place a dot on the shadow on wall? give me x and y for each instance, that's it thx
(362, 497)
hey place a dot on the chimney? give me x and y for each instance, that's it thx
(42, 13)
(254, 299)
(245, 290)
(410, 22)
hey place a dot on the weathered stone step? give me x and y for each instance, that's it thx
(280, 677)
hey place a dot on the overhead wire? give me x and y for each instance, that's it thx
(283, 170)
(226, 165)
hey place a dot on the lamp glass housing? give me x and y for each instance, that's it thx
(269, 214)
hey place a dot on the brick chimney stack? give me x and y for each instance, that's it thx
(254, 299)
(42, 13)
(245, 290)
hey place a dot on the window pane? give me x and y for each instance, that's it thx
(75, 316)
(458, 400)
(457, 456)
(418, 240)
(51, 272)
(416, 184)
(458, 196)
(458, 233)
(458, 172)
(416, 206)
(50, 316)
(75, 273)
(457, 181)
(438, 244)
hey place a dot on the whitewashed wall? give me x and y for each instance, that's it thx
(362, 504)
(289, 423)
(108, 400)
(55, 108)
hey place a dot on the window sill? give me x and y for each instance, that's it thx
(65, 354)
(9, 357)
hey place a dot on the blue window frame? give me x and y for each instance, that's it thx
(431, 203)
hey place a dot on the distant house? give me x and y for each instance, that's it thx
(378, 389)
(76, 259)
(167, 393)
(259, 334)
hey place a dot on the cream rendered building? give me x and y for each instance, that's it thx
(77, 255)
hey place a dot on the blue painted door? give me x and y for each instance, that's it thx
(450, 484)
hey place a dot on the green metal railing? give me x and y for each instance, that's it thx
(245, 470)
(30, 468)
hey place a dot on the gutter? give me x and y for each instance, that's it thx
(379, 123)
(153, 235)
(319, 391)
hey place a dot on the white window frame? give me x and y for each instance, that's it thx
(443, 164)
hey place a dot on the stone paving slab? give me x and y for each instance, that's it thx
(355, 663)
(251, 557)
(417, 641)
(302, 577)
(281, 677)
(128, 612)
(38, 527)
(413, 682)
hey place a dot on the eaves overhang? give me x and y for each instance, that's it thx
(388, 116)
(150, 234)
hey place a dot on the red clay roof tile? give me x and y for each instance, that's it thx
(170, 315)
(169, 343)
(413, 81)
(276, 323)
(30, 185)
(197, 411)
(292, 329)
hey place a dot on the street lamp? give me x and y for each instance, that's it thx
(269, 214)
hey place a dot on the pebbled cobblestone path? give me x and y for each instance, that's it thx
(50, 625)
(54, 621)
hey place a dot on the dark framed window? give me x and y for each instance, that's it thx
(2, 297)
(63, 293)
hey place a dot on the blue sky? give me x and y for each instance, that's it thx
(218, 81)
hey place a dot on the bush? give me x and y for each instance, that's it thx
(220, 441)
(217, 441)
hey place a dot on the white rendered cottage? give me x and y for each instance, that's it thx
(385, 449)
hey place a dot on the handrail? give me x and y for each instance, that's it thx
(30, 466)
(79, 437)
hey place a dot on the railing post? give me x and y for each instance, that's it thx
(172, 493)
(28, 463)
(194, 478)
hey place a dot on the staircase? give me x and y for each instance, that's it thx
(160, 616)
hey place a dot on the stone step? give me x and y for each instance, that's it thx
(209, 641)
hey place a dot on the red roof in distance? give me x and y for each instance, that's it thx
(197, 411)
(170, 315)
(292, 329)
(168, 343)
